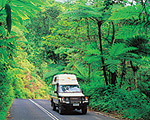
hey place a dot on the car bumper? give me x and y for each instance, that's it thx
(73, 105)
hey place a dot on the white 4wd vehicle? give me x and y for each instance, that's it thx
(67, 95)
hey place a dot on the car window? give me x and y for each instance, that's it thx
(69, 88)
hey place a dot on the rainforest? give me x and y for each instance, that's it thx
(105, 43)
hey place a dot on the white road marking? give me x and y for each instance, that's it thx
(44, 110)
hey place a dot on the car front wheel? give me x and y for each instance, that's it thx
(84, 110)
(54, 106)
(61, 111)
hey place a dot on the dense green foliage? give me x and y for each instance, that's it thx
(18, 78)
(105, 43)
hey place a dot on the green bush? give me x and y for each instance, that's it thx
(6, 98)
(131, 104)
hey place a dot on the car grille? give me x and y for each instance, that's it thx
(75, 99)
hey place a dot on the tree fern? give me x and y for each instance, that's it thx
(93, 51)
(91, 59)
(116, 53)
(141, 43)
(76, 67)
(82, 70)
(53, 69)
(22, 10)
(127, 31)
(127, 12)
(119, 49)
(139, 61)
(84, 11)
(112, 65)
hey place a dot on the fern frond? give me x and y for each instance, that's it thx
(83, 11)
(140, 61)
(112, 67)
(63, 50)
(119, 49)
(116, 49)
(131, 55)
(3, 52)
(82, 70)
(51, 73)
(112, 64)
(93, 52)
(126, 13)
(91, 59)
(128, 49)
(127, 31)
(54, 69)
(110, 61)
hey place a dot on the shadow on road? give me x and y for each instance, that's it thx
(73, 112)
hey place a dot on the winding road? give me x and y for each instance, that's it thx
(39, 109)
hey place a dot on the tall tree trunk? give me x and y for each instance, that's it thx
(89, 72)
(142, 2)
(123, 72)
(109, 79)
(113, 75)
(113, 78)
(101, 50)
(113, 36)
(135, 69)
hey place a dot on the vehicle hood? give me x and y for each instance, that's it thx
(71, 94)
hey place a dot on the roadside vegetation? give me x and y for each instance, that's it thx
(105, 43)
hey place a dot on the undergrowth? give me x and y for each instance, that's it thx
(131, 104)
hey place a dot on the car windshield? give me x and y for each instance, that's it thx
(69, 88)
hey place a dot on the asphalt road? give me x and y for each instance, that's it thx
(29, 109)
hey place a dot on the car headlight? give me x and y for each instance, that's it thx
(65, 99)
(84, 98)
